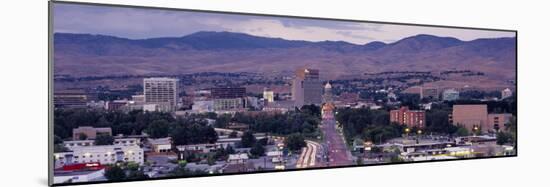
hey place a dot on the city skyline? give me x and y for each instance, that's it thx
(223, 102)
(139, 23)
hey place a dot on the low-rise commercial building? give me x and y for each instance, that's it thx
(450, 95)
(76, 98)
(90, 132)
(498, 121)
(430, 93)
(474, 117)
(470, 116)
(160, 145)
(104, 154)
(79, 173)
(117, 141)
(238, 158)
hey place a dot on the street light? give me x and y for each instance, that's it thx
(418, 132)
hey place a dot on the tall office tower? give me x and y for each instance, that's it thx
(306, 87)
(162, 92)
(229, 99)
(429, 92)
(269, 96)
(75, 98)
(228, 92)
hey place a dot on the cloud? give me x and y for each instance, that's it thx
(139, 23)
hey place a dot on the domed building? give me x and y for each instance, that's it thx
(328, 105)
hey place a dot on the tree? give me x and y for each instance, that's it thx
(58, 148)
(437, 120)
(57, 139)
(104, 139)
(115, 173)
(376, 149)
(504, 138)
(295, 142)
(182, 171)
(210, 160)
(257, 150)
(359, 161)
(132, 166)
(248, 139)
(233, 134)
(137, 175)
(182, 163)
(158, 129)
(229, 149)
(194, 133)
(82, 136)
(461, 131)
(512, 127)
(311, 110)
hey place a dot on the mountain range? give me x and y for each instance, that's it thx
(205, 51)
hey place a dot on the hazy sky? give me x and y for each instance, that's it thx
(139, 23)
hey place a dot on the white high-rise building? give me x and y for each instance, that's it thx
(269, 96)
(450, 95)
(162, 92)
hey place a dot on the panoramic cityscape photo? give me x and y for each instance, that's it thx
(147, 93)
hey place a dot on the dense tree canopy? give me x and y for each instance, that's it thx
(190, 129)
(304, 121)
(248, 139)
(104, 139)
(65, 120)
(295, 142)
(115, 173)
(257, 150)
(368, 124)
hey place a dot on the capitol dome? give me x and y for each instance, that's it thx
(328, 86)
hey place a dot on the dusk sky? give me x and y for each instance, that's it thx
(138, 23)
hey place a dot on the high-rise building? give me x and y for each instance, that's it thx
(410, 118)
(506, 93)
(429, 92)
(269, 96)
(162, 92)
(307, 88)
(450, 95)
(497, 121)
(470, 116)
(228, 98)
(228, 93)
(75, 98)
(229, 104)
(90, 132)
